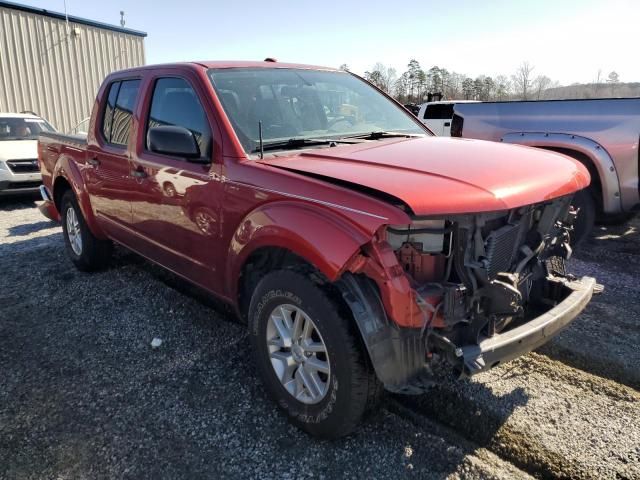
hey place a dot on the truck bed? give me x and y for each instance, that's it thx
(51, 146)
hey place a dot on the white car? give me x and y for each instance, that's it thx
(19, 171)
(437, 115)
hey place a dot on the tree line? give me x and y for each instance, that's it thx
(414, 84)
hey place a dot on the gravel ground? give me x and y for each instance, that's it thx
(605, 340)
(83, 394)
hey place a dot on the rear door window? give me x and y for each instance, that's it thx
(108, 110)
(123, 112)
(176, 103)
(118, 112)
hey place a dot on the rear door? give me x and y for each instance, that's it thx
(178, 219)
(108, 171)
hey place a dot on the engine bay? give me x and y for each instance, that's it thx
(478, 275)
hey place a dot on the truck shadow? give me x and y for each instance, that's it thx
(454, 405)
(18, 202)
(623, 238)
(29, 228)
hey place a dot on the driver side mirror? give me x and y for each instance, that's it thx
(175, 141)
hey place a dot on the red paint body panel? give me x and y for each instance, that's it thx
(203, 222)
(438, 175)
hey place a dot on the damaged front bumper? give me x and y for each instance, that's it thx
(400, 355)
(500, 348)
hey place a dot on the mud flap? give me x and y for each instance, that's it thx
(398, 354)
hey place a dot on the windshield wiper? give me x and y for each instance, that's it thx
(381, 134)
(293, 143)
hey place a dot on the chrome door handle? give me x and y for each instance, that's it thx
(93, 161)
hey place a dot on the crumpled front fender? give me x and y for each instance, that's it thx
(328, 242)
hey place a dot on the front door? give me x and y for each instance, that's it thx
(108, 173)
(178, 218)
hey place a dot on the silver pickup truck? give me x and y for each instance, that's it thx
(603, 134)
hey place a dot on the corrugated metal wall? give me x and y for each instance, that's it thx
(54, 73)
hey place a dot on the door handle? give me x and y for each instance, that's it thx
(93, 161)
(139, 173)
(447, 124)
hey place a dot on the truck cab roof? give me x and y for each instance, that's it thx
(230, 64)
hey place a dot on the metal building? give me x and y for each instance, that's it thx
(53, 64)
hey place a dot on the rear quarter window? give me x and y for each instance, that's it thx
(118, 112)
(108, 110)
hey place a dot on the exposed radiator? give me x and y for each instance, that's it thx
(501, 247)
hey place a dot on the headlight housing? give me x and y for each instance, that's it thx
(426, 235)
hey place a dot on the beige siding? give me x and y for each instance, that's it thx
(55, 73)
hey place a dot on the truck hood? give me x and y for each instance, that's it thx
(18, 149)
(437, 175)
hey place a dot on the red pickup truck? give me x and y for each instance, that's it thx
(360, 249)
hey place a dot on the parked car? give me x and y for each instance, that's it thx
(358, 248)
(437, 115)
(19, 172)
(602, 134)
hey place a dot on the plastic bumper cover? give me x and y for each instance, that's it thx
(399, 355)
(16, 183)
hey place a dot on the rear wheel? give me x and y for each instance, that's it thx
(311, 360)
(87, 252)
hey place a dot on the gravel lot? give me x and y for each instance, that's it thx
(83, 394)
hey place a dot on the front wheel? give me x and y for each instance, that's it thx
(87, 252)
(310, 356)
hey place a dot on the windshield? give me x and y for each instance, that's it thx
(304, 104)
(20, 128)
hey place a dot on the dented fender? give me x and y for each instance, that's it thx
(401, 302)
(328, 242)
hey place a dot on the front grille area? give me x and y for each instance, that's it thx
(27, 165)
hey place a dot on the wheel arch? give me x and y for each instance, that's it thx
(67, 176)
(604, 177)
(288, 233)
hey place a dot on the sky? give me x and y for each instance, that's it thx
(566, 40)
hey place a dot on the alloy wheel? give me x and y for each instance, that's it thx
(298, 354)
(73, 231)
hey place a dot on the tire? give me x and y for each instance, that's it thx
(89, 253)
(351, 388)
(584, 203)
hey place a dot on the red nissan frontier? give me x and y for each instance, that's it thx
(360, 249)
